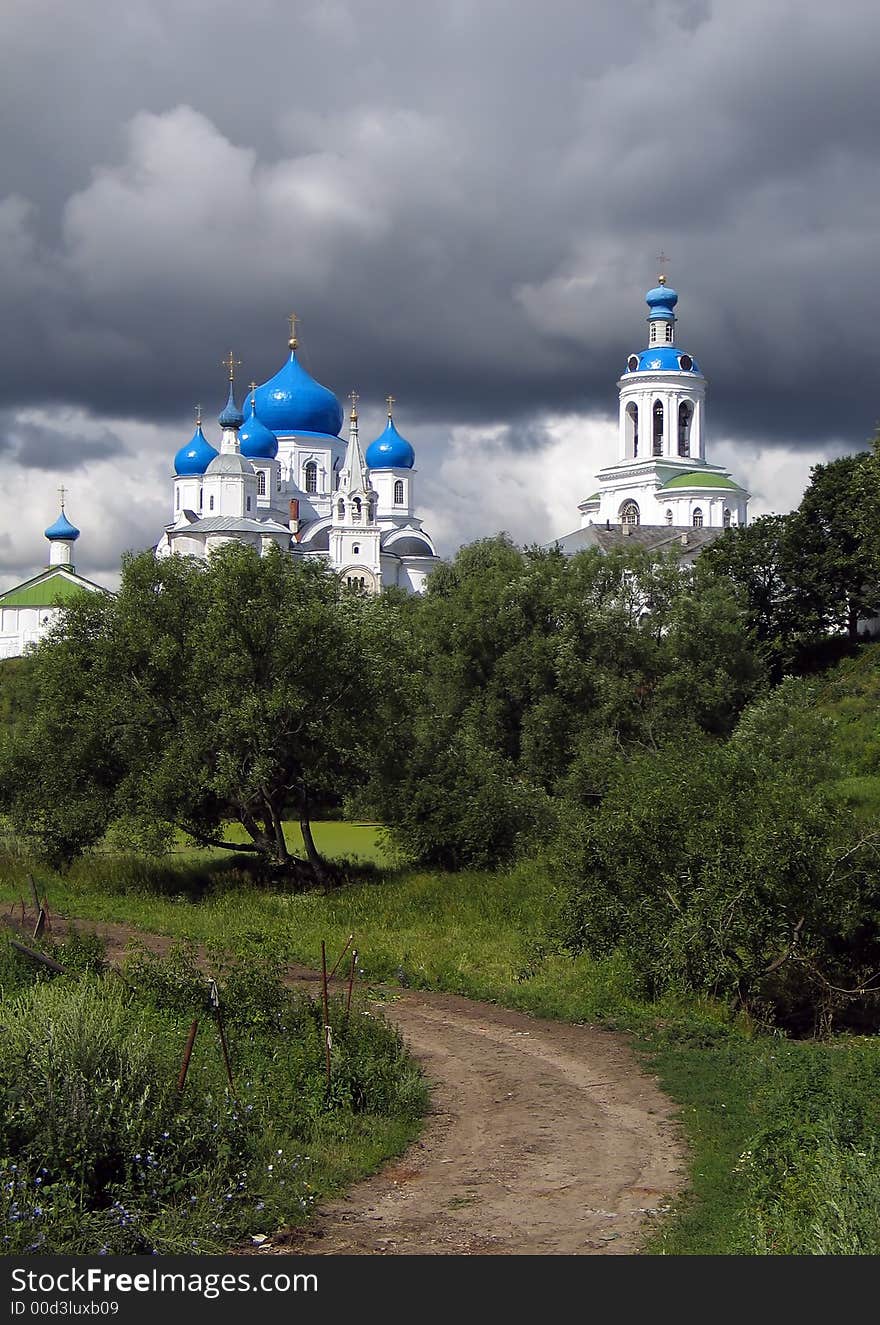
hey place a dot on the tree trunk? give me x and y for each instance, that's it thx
(312, 854)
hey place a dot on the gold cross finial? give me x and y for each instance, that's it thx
(252, 386)
(231, 363)
(61, 492)
(293, 319)
(198, 416)
(661, 259)
(354, 398)
(390, 401)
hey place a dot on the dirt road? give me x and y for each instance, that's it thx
(543, 1139)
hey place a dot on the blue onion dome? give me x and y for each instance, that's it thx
(62, 528)
(661, 301)
(195, 456)
(231, 416)
(257, 441)
(390, 450)
(293, 402)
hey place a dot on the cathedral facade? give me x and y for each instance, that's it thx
(284, 476)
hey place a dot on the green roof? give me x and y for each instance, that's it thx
(695, 479)
(595, 497)
(51, 588)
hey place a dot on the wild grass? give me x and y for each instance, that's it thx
(101, 1153)
(776, 1167)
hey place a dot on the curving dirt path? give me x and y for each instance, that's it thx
(544, 1138)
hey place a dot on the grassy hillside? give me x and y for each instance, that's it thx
(850, 696)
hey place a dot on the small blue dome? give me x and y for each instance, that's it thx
(664, 359)
(257, 441)
(293, 402)
(195, 456)
(390, 450)
(231, 416)
(62, 528)
(661, 301)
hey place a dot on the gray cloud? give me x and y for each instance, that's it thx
(464, 201)
(54, 448)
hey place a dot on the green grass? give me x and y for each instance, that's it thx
(100, 1152)
(850, 695)
(491, 936)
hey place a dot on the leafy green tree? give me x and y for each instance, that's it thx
(531, 663)
(754, 558)
(729, 869)
(207, 692)
(831, 546)
(811, 576)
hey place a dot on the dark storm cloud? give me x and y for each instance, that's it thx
(463, 200)
(56, 449)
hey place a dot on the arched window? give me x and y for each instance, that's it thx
(698, 517)
(685, 414)
(201, 499)
(341, 510)
(629, 513)
(632, 430)
(726, 518)
(653, 336)
(356, 509)
(248, 503)
(398, 492)
(668, 333)
(261, 482)
(311, 475)
(669, 515)
(210, 503)
(658, 427)
(177, 500)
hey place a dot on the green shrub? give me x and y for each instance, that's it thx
(728, 870)
(103, 1154)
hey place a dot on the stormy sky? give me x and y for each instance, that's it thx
(464, 202)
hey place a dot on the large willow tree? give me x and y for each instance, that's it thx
(241, 689)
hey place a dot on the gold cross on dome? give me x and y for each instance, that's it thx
(661, 260)
(293, 319)
(231, 363)
(390, 401)
(199, 415)
(354, 398)
(62, 491)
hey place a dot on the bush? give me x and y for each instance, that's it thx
(102, 1154)
(728, 870)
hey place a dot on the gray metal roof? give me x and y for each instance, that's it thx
(230, 462)
(232, 524)
(686, 540)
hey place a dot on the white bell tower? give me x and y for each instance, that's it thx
(661, 475)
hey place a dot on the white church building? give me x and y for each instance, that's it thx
(662, 482)
(283, 476)
(27, 610)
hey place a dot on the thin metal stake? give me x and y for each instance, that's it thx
(187, 1054)
(341, 955)
(327, 1039)
(215, 1004)
(354, 957)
